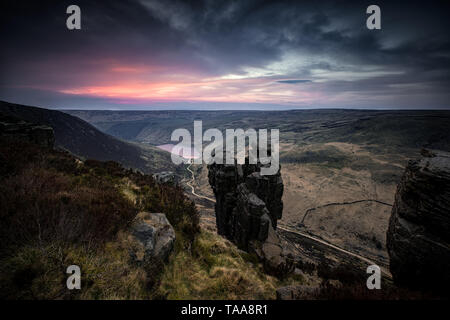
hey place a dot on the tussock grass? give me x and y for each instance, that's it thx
(216, 269)
(57, 212)
(40, 273)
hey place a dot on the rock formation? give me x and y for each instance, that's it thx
(17, 130)
(419, 228)
(153, 238)
(248, 206)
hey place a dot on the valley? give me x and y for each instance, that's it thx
(225, 150)
(340, 168)
(338, 194)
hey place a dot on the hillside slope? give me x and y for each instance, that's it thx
(85, 141)
(59, 211)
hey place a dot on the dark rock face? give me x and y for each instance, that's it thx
(245, 201)
(250, 217)
(270, 190)
(419, 228)
(248, 206)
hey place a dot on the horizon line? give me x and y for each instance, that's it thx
(150, 109)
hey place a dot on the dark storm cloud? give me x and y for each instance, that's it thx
(293, 81)
(407, 63)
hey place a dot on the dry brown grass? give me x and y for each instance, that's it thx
(40, 273)
(57, 212)
(216, 269)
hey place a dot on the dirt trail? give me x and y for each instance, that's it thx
(190, 184)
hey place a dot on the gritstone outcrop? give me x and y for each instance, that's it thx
(419, 228)
(248, 206)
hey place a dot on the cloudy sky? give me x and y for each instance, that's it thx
(138, 54)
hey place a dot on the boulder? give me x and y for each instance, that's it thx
(165, 177)
(277, 260)
(419, 228)
(153, 238)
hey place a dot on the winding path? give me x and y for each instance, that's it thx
(190, 184)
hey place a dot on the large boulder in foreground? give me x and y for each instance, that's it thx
(153, 238)
(419, 228)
